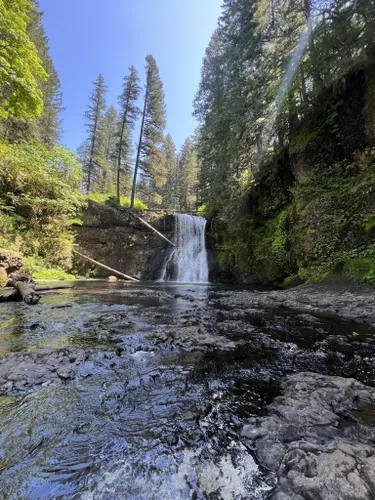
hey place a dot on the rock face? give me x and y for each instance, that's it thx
(114, 237)
(320, 438)
(307, 213)
(25, 371)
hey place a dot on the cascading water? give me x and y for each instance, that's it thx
(188, 261)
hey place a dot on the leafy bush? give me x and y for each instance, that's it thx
(39, 200)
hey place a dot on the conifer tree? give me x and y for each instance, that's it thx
(49, 123)
(150, 155)
(170, 191)
(188, 176)
(94, 123)
(106, 176)
(127, 116)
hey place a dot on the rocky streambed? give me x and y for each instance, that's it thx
(144, 391)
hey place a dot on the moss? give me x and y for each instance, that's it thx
(40, 270)
(110, 199)
(300, 141)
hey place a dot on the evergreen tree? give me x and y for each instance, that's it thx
(264, 70)
(150, 155)
(127, 116)
(104, 183)
(95, 161)
(188, 176)
(49, 123)
(170, 191)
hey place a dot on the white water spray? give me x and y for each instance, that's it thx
(188, 261)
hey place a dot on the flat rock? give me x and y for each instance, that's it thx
(349, 301)
(23, 372)
(319, 437)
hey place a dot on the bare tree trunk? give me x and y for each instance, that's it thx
(119, 152)
(139, 151)
(104, 266)
(92, 150)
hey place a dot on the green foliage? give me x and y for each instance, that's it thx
(92, 153)
(300, 141)
(39, 270)
(111, 199)
(151, 160)
(20, 66)
(170, 191)
(39, 190)
(127, 117)
(188, 176)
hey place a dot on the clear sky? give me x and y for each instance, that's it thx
(88, 37)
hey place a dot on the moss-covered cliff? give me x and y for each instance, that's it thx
(310, 212)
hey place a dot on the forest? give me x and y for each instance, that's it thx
(286, 139)
(277, 80)
(43, 186)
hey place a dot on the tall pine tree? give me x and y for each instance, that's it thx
(170, 191)
(106, 176)
(49, 123)
(128, 114)
(188, 176)
(150, 159)
(93, 165)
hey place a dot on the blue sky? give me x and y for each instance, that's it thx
(88, 37)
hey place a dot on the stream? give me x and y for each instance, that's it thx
(165, 376)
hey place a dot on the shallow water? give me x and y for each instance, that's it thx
(148, 417)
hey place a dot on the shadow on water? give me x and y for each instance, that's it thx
(149, 415)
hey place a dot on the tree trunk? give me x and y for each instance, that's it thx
(155, 230)
(104, 266)
(92, 149)
(28, 293)
(119, 152)
(139, 150)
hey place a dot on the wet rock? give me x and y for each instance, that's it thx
(197, 338)
(318, 440)
(355, 302)
(24, 372)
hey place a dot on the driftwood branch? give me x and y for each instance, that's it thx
(104, 266)
(155, 230)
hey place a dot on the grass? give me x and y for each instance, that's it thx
(40, 271)
(111, 199)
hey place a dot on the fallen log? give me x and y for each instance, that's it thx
(153, 229)
(43, 288)
(27, 292)
(104, 266)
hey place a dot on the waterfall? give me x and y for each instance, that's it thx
(188, 261)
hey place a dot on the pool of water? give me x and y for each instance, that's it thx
(149, 414)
